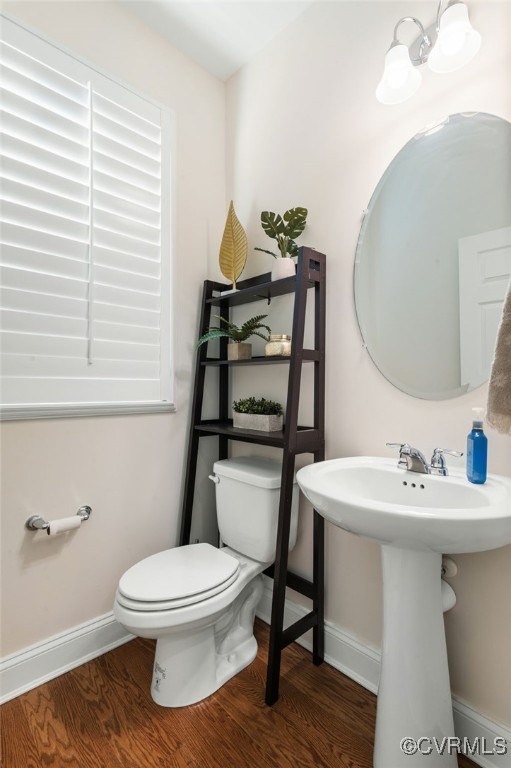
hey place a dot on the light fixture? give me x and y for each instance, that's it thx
(456, 43)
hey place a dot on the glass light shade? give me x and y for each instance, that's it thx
(400, 78)
(457, 42)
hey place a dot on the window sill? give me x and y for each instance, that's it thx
(17, 413)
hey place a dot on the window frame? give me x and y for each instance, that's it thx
(166, 404)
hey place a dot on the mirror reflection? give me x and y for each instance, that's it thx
(433, 259)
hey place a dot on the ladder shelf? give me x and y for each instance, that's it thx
(308, 356)
(293, 439)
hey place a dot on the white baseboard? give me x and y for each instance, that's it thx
(470, 724)
(362, 664)
(26, 669)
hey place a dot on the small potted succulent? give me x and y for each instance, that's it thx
(284, 229)
(261, 414)
(237, 349)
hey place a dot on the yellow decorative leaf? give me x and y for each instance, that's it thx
(233, 248)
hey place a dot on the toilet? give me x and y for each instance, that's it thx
(198, 601)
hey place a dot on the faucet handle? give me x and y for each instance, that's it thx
(404, 450)
(438, 461)
(403, 447)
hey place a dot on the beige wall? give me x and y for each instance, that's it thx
(128, 468)
(305, 129)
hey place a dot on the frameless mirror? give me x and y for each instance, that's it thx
(433, 258)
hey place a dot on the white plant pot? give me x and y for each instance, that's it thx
(259, 421)
(283, 268)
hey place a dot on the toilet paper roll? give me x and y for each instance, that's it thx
(63, 525)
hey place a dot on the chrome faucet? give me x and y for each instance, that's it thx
(413, 460)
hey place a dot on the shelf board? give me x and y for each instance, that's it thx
(309, 355)
(308, 437)
(264, 291)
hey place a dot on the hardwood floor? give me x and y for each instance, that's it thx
(100, 715)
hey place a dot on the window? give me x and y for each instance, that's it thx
(85, 238)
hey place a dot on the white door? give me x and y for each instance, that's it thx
(484, 274)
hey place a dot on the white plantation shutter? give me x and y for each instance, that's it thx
(85, 242)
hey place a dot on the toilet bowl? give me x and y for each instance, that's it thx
(199, 601)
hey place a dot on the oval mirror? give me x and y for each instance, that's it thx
(433, 259)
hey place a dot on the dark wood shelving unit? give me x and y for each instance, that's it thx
(293, 439)
(260, 288)
(308, 356)
(306, 436)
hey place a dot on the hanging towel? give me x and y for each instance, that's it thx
(499, 392)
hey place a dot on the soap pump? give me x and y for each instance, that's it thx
(477, 449)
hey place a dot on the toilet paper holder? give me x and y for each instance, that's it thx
(38, 523)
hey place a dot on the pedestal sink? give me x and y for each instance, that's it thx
(415, 518)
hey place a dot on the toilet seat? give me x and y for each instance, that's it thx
(177, 577)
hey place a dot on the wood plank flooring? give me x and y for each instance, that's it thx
(100, 715)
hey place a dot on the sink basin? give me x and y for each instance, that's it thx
(415, 518)
(375, 498)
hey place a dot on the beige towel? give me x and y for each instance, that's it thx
(499, 393)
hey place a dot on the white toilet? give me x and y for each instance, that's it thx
(198, 601)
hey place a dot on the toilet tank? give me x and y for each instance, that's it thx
(247, 505)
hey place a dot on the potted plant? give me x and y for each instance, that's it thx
(284, 229)
(237, 349)
(260, 414)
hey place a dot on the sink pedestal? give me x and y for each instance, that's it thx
(415, 518)
(414, 696)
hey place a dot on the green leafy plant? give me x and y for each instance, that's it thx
(237, 333)
(261, 406)
(284, 229)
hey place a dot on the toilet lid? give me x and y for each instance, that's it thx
(177, 577)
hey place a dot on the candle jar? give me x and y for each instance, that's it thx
(278, 345)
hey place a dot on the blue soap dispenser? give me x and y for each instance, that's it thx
(477, 449)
